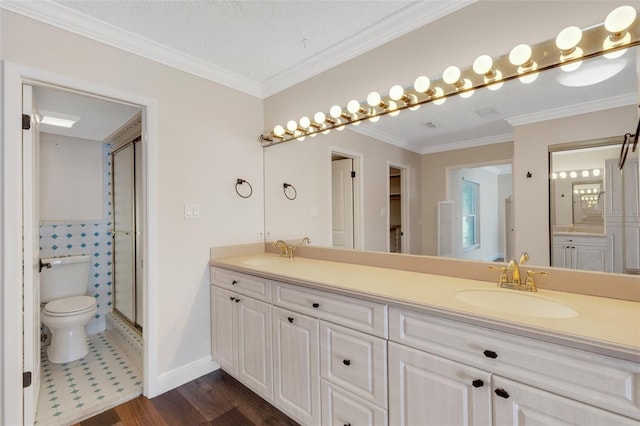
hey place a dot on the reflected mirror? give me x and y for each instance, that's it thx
(435, 147)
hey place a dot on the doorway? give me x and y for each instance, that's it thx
(72, 183)
(398, 209)
(346, 209)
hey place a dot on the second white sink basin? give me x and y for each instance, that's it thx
(515, 302)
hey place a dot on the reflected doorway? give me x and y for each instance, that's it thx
(397, 208)
(345, 200)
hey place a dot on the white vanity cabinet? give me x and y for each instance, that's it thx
(518, 404)
(241, 337)
(572, 375)
(429, 390)
(296, 365)
(588, 253)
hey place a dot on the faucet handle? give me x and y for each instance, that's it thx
(503, 274)
(531, 282)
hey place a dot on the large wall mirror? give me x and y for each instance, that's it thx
(440, 180)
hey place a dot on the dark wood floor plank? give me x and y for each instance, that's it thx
(139, 412)
(214, 399)
(175, 409)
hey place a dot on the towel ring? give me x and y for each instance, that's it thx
(285, 186)
(240, 182)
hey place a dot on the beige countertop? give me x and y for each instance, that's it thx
(602, 325)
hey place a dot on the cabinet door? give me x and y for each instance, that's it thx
(254, 345)
(518, 404)
(296, 366)
(341, 408)
(428, 390)
(224, 344)
(590, 258)
(561, 256)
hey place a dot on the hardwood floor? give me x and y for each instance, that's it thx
(215, 399)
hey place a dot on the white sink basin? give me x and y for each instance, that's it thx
(263, 261)
(515, 302)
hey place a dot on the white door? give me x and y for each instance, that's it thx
(224, 343)
(342, 202)
(428, 390)
(124, 232)
(31, 234)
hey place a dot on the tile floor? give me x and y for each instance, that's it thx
(104, 378)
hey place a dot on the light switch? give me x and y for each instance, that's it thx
(192, 211)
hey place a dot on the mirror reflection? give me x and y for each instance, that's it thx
(409, 186)
(594, 208)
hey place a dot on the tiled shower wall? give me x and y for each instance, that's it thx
(60, 238)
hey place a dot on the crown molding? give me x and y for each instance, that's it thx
(79, 23)
(383, 136)
(418, 14)
(577, 109)
(469, 143)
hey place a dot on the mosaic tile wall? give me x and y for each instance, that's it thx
(73, 238)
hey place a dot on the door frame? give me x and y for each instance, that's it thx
(11, 250)
(358, 193)
(404, 205)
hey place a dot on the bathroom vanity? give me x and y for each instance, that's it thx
(341, 344)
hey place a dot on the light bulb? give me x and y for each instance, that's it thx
(529, 78)
(300, 138)
(414, 102)
(573, 175)
(305, 122)
(520, 55)
(393, 109)
(563, 175)
(466, 85)
(451, 75)
(353, 106)
(373, 99)
(554, 175)
(596, 172)
(575, 191)
(582, 191)
(571, 67)
(619, 19)
(437, 93)
(278, 130)
(568, 39)
(483, 64)
(335, 111)
(422, 84)
(319, 117)
(585, 173)
(396, 92)
(292, 125)
(496, 82)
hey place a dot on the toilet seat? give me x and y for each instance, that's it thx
(69, 306)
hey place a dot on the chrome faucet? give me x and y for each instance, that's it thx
(285, 249)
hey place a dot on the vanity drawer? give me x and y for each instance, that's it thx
(355, 361)
(362, 315)
(340, 408)
(606, 382)
(248, 285)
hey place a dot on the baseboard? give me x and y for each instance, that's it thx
(179, 376)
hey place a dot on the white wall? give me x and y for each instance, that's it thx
(71, 179)
(206, 138)
(505, 190)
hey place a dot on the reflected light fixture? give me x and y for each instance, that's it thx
(616, 23)
(573, 175)
(563, 175)
(596, 172)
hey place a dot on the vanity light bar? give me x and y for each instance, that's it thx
(619, 32)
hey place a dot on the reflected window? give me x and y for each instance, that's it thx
(470, 214)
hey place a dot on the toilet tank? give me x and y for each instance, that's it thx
(68, 276)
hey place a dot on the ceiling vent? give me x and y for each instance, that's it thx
(490, 112)
(431, 125)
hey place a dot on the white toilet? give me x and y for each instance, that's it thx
(63, 287)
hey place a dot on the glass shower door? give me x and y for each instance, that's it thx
(124, 232)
